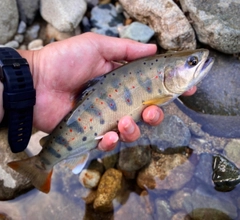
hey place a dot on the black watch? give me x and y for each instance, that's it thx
(19, 97)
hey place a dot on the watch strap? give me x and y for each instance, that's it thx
(19, 97)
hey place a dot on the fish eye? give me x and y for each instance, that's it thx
(192, 61)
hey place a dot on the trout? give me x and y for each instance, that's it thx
(127, 90)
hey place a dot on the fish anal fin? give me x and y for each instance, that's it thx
(158, 101)
(76, 164)
(32, 169)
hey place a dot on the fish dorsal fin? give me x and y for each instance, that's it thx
(76, 164)
(158, 101)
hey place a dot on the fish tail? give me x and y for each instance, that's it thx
(35, 171)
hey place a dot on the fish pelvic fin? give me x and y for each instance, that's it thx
(158, 101)
(35, 171)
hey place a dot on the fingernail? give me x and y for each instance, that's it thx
(114, 139)
(129, 127)
(153, 116)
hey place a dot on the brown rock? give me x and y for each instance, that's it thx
(108, 188)
(166, 172)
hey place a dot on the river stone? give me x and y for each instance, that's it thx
(136, 31)
(166, 172)
(232, 151)
(219, 92)
(8, 20)
(63, 15)
(163, 209)
(215, 22)
(28, 10)
(209, 199)
(172, 28)
(12, 184)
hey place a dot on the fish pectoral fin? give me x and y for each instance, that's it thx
(32, 169)
(43, 140)
(76, 164)
(158, 101)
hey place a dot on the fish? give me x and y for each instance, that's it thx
(127, 90)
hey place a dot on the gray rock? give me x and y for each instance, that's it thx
(28, 10)
(166, 19)
(215, 22)
(35, 44)
(172, 132)
(133, 156)
(12, 184)
(105, 20)
(163, 209)
(204, 168)
(202, 198)
(32, 32)
(232, 151)
(8, 20)
(12, 43)
(63, 15)
(19, 38)
(136, 31)
(22, 27)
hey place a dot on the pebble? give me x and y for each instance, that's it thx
(163, 209)
(35, 44)
(13, 44)
(172, 28)
(22, 27)
(63, 15)
(136, 31)
(105, 20)
(108, 187)
(89, 178)
(19, 38)
(216, 23)
(232, 151)
(32, 32)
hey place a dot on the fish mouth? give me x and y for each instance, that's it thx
(208, 64)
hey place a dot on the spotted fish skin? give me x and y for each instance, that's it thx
(125, 91)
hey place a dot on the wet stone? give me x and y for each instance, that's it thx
(163, 209)
(108, 187)
(166, 172)
(105, 20)
(232, 151)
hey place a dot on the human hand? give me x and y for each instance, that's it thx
(60, 69)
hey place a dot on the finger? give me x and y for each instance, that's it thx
(112, 48)
(129, 131)
(153, 115)
(109, 141)
(190, 91)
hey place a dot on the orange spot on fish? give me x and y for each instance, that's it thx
(91, 120)
(70, 130)
(101, 103)
(79, 119)
(85, 127)
(116, 90)
(109, 95)
(73, 138)
(133, 87)
(156, 77)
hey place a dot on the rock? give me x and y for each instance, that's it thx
(22, 27)
(133, 156)
(12, 184)
(216, 23)
(105, 20)
(232, 151)
(163, 209)
(207, 199)
(19, 38)
(136, 31)
(35, 44)
(172, 132)
(204, 168)
(180, 216)
(28, 10)
(8, 20)
(133, 208)
(176, 200)
(172, 28)
(108, 188)
(219, 92)
(32, 32)
(63, 15)
(166, 172)
(209, 214)
(12, 43)
(89, 178)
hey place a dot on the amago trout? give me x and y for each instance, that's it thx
(154, 80)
